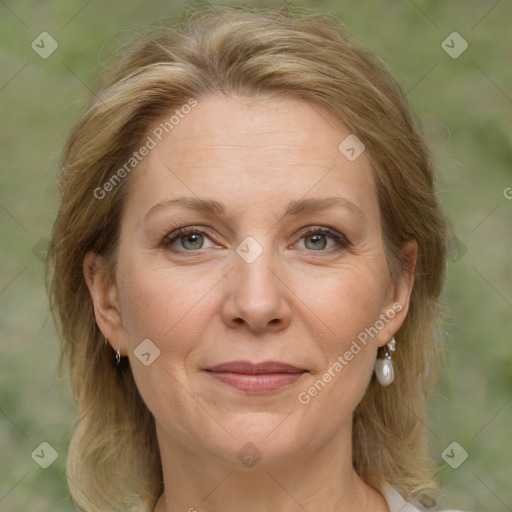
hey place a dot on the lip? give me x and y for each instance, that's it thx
(249, 368)
(262, 377)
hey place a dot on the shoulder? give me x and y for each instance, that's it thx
(396, 502)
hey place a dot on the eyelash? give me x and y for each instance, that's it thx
(342, 241)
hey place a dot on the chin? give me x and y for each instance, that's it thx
(260, 441)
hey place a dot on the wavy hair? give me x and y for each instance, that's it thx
(113, 461)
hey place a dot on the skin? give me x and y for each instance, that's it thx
(301, 301)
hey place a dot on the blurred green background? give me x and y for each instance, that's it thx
(465, 107)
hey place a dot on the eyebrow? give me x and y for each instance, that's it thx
(294, 208)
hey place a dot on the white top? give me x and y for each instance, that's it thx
(397, 504)
(393, 499)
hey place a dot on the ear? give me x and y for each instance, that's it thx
(397, 304)
(105, 300)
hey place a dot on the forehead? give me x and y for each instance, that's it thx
(252, 150)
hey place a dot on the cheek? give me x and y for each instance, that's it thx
(168, 307)
(345, 301)
(347, 304)
(160, 303)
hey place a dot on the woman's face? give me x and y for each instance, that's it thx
(284, 262)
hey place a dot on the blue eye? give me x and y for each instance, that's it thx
(319, 239)
(191, 239)
(316, 239)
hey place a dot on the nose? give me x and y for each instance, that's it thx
(257, 296)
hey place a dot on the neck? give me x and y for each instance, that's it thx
(318, 478)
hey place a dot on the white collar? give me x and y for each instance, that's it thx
(394, 499)
(396, 502)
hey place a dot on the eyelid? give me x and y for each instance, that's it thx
(342, 242)
(340, 238)
(178, 233)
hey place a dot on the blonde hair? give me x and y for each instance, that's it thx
(113, 461)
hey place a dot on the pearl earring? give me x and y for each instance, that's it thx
(384, 367)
